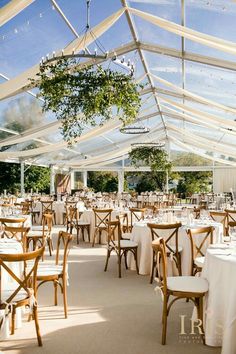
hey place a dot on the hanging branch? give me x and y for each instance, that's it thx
(99, 94)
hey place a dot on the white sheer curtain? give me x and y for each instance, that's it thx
(224, 179)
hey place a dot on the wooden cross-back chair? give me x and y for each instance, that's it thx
(17, 233)
(24, 294)
(136, 214)
(221, 217)
(231, 216)
(57, 273)
(73, 221)
(66, 213)
(145, 200)
(176, 288)
(102, 217)
(41, 235)
(200, 239)
(119, 245)
(173, 249)
(47, 208)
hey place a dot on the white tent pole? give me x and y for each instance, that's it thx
(85, 178)
(22, 177)
(120, 181)
(52, 179)
(72, 179)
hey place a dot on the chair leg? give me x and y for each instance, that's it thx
(108, 256)
(88, 230)
(82, 230)
(55, 293)
(77, 234)
(13, 316)
(35, 313)
(164, 321)
(119, 265)
(125, 255)
(49, 242)
(153, 266)
(65, 296)
(136, 260)
(94, 237)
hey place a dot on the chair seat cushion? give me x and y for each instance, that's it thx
(83, 223)
(126, 244)
(39, 228)
(187, 284)
(126, 235)
(199, 261)
(32, 233)
(45, 269)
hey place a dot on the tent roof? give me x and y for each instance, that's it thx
(183, 50)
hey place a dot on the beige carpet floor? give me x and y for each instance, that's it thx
(107, 315)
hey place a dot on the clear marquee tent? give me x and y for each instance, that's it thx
(184, 52)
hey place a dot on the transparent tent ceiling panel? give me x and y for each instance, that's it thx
(40, 20)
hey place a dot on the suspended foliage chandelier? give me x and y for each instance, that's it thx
(82, 95)
(135, 129)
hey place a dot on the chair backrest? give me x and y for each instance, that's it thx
(46, 206)
(169, 232)
(221, 217)
(200, 239)
(114, 232)
(136, 214)
(64, 239)
(159, 247)
(231, 215)
(71, 214)
(13, 221)
(102, 217)
(47, 223)
(28, 276)
(17, 233)
(123, 219)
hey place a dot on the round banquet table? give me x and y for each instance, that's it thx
(220, 307)
(142, 235)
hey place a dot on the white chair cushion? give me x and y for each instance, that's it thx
(199, 261)
(187, 284)
(126, 243)
(32, 233)
(126, 235)
(38, 228)
(80, 222)
(45, 269)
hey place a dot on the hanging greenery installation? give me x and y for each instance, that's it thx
(86, 96)
(155, 158)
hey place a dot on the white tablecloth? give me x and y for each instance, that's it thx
(142, 235)
(220, 322)
(10, 246)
